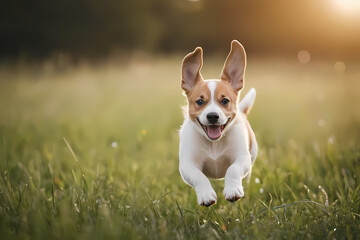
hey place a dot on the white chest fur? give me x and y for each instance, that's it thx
(213, 157)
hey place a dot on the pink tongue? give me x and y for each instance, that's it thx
(214, 131)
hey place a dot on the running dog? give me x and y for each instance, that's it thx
(216, 139)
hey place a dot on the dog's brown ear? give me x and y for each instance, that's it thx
(234, 67)
(190, 72)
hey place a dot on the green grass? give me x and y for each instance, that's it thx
(91, 152)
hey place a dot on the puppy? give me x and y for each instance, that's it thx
(216, 140)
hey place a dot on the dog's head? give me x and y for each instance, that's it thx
(213, 104)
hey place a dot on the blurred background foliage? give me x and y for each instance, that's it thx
(93, 29)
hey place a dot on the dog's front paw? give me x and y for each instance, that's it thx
(206, 197)
(233, 194)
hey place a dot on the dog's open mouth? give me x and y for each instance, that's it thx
(214, 132)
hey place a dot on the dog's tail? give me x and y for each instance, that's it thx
(247, 102)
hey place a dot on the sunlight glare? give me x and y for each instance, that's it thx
(348, 6)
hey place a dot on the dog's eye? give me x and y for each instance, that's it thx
(225, 101)
(200, 102)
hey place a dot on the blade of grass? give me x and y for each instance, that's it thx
(71, 150)
(292, 204)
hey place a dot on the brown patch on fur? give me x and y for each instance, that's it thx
(199, 91)
(224, 90)
(190, 73)
(234, 67)
(246, 111)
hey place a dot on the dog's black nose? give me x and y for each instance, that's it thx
(212, 117)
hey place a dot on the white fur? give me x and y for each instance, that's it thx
(212, 106)
(248, 101)
(229, 157)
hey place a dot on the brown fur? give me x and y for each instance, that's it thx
(224, 90)
(191, 66)
(234, 67)
(200, 90)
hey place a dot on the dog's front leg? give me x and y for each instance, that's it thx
(192, 175)
(233, 189)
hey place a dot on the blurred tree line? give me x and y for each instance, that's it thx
(92, 28)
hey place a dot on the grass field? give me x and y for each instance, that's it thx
(91, 152)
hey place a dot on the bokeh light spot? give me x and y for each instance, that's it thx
(114, 144)
(321, 122)
(331, 140)
(303, 56)
(339, 67)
